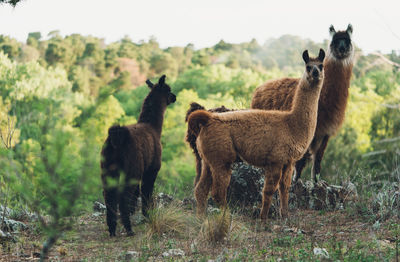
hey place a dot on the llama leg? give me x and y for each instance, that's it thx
(202, 188)
(133, 198)
(110, 193)
(284, 185)
(301, 164)
(125, 207)
(198, 169)
(147, 187)
(111, 201)
(220, 182)
(318, 155)
(272, 177)
(130, 187)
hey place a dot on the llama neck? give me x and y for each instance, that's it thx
(305, 103)
(152, 113)
(335, 89)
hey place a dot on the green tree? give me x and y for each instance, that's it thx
(10, 2)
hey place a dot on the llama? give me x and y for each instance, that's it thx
(279, 95)
(191, 137)
(134, 150)
(273, 140)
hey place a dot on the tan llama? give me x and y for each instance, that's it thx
(273, 140)
(278, 95)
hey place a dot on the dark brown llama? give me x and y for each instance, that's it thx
(274, 140)
(191, 137)
(135, 151)
(279, 94)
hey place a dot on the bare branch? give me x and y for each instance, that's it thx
(386, 60)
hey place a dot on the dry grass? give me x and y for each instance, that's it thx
(171, 220)
(216, 226)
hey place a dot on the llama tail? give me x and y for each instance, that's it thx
(118, 135)
(193, 107)
(197, 120)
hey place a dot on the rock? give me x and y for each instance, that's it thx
(138, 218)
(319, 195)
(17, 214)
(321, 252)
(293, 230)
(6, 237)
(5, 210)
(163, 199)
(213, 210)
(97, 214)
(188, 203)
(99, 207)
(130, 255)
(299, 196)
(174, 253)
(246, 185)
(12, 225)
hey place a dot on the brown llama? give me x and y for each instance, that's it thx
(273, 140)
(279, 94)
(191, 137)
(134, 150)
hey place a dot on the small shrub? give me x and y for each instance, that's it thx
(170, 220)
(216, 227)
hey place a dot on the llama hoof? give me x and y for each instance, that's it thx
(112, 234)
(130, 234)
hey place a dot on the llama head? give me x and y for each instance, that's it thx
(341, 46)
(161, 90)
(314, 72)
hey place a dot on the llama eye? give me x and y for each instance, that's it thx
(308, 68)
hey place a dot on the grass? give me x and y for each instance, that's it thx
(363, 231)
(216, 227)
(171, 220)
(345, 235)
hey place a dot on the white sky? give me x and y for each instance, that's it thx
(203, 23)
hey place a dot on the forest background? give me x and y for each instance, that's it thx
(59, 95)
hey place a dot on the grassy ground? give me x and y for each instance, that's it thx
(347, 235)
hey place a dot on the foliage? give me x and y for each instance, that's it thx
(59, 95)
(11, 2)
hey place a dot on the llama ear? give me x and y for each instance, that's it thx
(161, 81)
(349, 29)
(306, 58)
(149, 84)
(332, 30)
(321, 55)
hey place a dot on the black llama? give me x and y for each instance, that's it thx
(131, 155)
